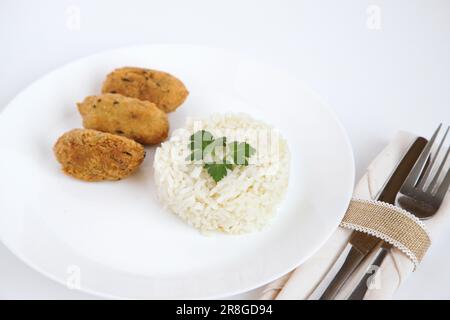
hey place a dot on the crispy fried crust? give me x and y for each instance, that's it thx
(92, 155)
(161, 88)
(133, 118)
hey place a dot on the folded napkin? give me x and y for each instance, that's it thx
(301, 282)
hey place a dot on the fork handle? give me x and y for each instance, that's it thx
(363, 286)
(351, 262)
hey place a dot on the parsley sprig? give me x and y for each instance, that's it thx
(217, 155)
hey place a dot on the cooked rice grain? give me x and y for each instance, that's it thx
(243, 201)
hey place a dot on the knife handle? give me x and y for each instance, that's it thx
(363, 286)
(359, 245)
(350, 264)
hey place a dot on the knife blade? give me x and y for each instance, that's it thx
(361, 244)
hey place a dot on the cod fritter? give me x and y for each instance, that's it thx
(161, 88)
(92, 155)
(136, 119)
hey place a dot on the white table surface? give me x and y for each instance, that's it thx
(379, 75)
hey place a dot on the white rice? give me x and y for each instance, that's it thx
(243, 201)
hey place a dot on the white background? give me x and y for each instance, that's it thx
(377, 80)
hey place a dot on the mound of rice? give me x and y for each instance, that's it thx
(243, 201)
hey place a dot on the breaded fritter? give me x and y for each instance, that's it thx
(161, 88)
(92, 155)
(133, 118)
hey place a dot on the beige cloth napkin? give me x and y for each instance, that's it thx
(300, 283)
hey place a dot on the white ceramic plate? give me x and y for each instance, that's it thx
(113, 238)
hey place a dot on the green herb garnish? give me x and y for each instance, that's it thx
(203, 146)
(199, 141)
(240, 152)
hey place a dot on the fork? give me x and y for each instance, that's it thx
(421, 194)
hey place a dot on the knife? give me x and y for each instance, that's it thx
(361, 244)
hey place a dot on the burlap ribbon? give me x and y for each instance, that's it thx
(391, 224)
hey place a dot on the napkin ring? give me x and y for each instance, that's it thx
(391, 224)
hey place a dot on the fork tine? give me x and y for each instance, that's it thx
(443, 188)
(414, 175)
(430, 166)
(438, 173)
